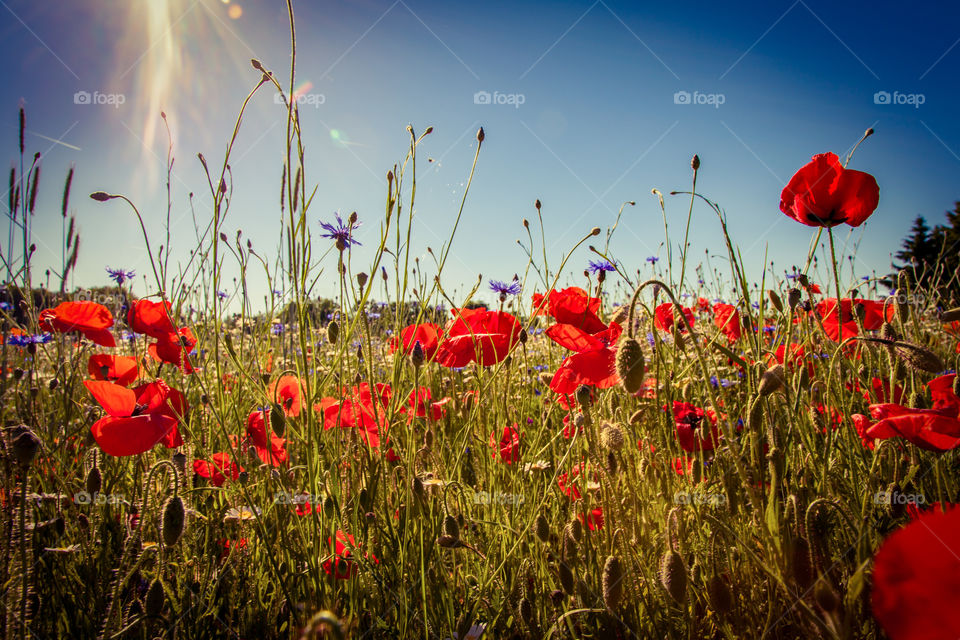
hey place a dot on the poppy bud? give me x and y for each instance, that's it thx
(173, 520)
(180, 460)
(417, 355)
(951, 315)
(480, 135)
(673, 575)
(630, 365)
(525, 611)
(574, 530)
(416, 485)
(53, 384)
(771, 380)
(566, 578)
(611, 463)
(359, 352)
(223, 185)
(583, 396)
(329, 507)
(25, 445)
(612, 581)
(94, 481)
(826, 597)
(794, 296)
(695, 162)
(918, 358)
(896, 507)
(918, 401)
(775, 300)
(522, 337)
(100, 196)
(83, 522)
(718, 591)
(361, 279)
(153, 603)
(595, 231)
(636, 417)
(223, 236)
(542, 528)
(333, 331)
(526, 223)
(451, 527)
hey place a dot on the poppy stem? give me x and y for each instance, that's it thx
(836, 282)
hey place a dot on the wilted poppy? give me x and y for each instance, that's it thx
(427, 334)
(916, 578)
(478, 335)
(119, 369)
(137, 419)
(89, 318)
(824, 194)
(214, 470)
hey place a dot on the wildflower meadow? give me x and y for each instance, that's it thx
(652, 448)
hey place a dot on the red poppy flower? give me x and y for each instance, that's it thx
(174, 349)
(873, 317)
(916, 578)
(691, 431)
(797, 352)
(427, 334)
(286, 391)
(936, 429)
(119, 369)
(151, 318)
(879, 391)
(214, 470)
(570, 306)
(508, 446)
(663, 317)
(137, 419)
(355, 409)
(727, 319)
(824, 194)
(342, 566)
(593, 362)
(89, 318)
(861, 423)
(478, 335)
(594, 519)
(270, 448)
(420, 401)
(568, 483)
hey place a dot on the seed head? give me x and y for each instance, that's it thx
(673, 575)
(612, 582)
(173, 520)
(630, 365)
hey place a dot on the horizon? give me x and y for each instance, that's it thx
(585, 106)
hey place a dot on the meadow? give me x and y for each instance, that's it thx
(654, 449)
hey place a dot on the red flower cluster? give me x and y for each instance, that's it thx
(357, 408)
(580, 330)
(839, 329)
(427, 334)
(663, 317)
(219, 464)
(138, 418)
(478, 335)
(270, 449)
(508, 445)
(935, 429)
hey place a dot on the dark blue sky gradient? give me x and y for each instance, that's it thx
(599, 124)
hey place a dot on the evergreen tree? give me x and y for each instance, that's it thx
(931, 258)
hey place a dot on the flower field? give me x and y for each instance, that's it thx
(632, 453)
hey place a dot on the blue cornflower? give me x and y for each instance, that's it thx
(653, 259)
(120, 276)
(223, 295)
(27, 340)
(6, 306)
(600, 265)
(277, 329)
(721, 382)
(504, 288)
(342, 233)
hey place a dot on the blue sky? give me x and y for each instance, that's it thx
(592, 112)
